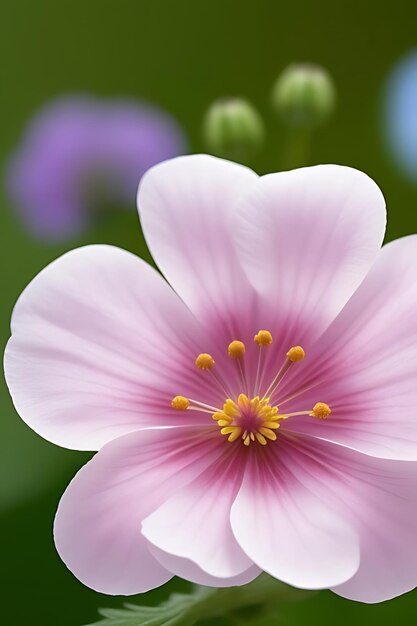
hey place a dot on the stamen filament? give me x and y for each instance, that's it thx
(320, 410)
(300, 391)
(279, 376)
(220, 382)
(287, 415)
(203, 405)
(250, 419)
(294, 355)
(258, 371)
(263, 339)
(236, 351)
(242, 372)
(205, 362)
(199, 410)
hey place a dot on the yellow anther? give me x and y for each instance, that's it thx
(230, 408)
(295, 354)
(222, 419)
(263, 338)
(228, 430)
(268, 433)
(235, 434)
(180, 403)
(244, 401)
(236, 349)
(204, 361)
(270, 412)
(321, 410)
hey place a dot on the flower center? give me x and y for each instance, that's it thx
(248, 419)
(252, 420)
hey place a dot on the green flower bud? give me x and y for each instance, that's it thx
(304, 95)
(233, 129)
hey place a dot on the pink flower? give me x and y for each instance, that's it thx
(308, 469)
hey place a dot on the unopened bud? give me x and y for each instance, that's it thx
(233, 129)
(304, 95)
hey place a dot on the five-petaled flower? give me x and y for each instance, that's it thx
(254, 411)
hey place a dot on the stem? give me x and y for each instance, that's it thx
(297, 147)
(263, 591)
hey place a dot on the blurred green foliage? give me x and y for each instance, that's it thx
(182, 55)
(248, 605)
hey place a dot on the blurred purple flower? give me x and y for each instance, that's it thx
(400, 114)
(81, 153)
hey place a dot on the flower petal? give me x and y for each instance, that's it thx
(306, 239)
(195, 522)
(100, 344)
(186, 207)
(377, 498)
(190, 571)
(365, 365)
(386, 510)
(288, 530)
(97, 526)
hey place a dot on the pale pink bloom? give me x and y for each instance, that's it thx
(102, 344)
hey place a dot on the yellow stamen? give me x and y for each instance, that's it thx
(236, 349)
(295, 354)
(249, 418)
(227, 430)
(180, 403)
(261, 439)
(230, 408)
(204, 361)
(235, 434)
(265, 419)
(321, 410)
(268, 433)
(263, 338)
(244, 401)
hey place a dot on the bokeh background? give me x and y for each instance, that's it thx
(181, 55)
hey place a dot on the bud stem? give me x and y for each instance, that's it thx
(297, 148)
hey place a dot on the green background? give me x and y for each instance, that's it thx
(181, 55)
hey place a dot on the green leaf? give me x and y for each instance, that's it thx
(264, 593)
